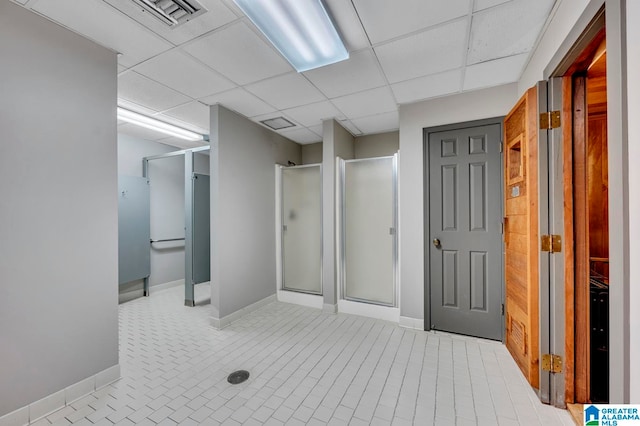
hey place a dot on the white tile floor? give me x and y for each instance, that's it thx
(307, 367)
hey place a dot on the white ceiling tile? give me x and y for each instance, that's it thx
(378, 123)
(183, 73)
(194, 113)
(100, 22)
(181, 143)
(509, 29)
(485, 4)
(301, 135)
(286, 91)
(429, 86)
(181, 123)
(239, 54)
(217, 15)
(313, 114)
(370, 102)
(318, 130)
(350, 127)
(435, 50)
(348, 24)
(121, 68)
(384, 19)
(359, 72)
(493, 73)
(145, 92)
(240, 101)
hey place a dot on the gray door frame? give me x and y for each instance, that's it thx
(427, 219)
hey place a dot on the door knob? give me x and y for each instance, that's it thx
(436, 243)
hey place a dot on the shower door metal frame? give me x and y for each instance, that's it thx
(189, 299)
(393, 230)
(282, 283)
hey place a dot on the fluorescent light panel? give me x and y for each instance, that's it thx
(300, 29)
(157, 125)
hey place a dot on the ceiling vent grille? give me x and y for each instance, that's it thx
(172, 12)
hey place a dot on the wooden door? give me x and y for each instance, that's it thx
(521, 235)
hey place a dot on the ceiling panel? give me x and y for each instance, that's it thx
(194, 113)
(428, 87)
(493, 73)
(313, 114)
(348, 23)
(347, 124)
(286, 91)
(378, 123)
(508, 29)
(384, 19)
(359, 72)
(428, 52)
(485, 4)
(366, 103)
(239, 54)
(217, 15)
(148, 93)
(301, 135)
(240, 101)
(132, 106)
(181, 143)
(97, 20)
(182, 72)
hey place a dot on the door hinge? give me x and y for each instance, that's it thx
(503, 309)
(552, 363)
(549, 120)
(501, 146)
(551, 243)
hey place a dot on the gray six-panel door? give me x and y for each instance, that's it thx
(465, 229)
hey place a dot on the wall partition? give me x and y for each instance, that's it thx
(368, 232)
(301, 218)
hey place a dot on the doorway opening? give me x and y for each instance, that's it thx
(587, 186)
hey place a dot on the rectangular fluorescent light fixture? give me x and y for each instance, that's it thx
(157, 125)
(300, 29)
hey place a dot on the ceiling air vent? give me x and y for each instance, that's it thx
(172, 12)
(277, 123)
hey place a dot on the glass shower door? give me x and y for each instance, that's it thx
(302, 229)
(369, 230)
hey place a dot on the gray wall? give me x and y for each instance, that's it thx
(243, 155)
(312, 153)
(58, 208)
(378, 145)
(414, 118)
(336, 142)
(167, 205)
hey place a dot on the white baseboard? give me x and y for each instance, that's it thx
(49, 404)
(304, 299)
(220, 323)
(135, 294)
(328, 308)
(385, 313)
(412, 323)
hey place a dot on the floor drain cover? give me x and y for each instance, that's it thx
(238, 377)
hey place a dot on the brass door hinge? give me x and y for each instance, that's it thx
(551, 243)
(549, 120)
(552, 363)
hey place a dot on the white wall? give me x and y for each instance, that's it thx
(312, 153)
(487, 103)
(565, 15)
(378, 145)
(633, 99)
(58, 208)
(243, 154)
(336, 142)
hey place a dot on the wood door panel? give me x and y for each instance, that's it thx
(521, 235)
